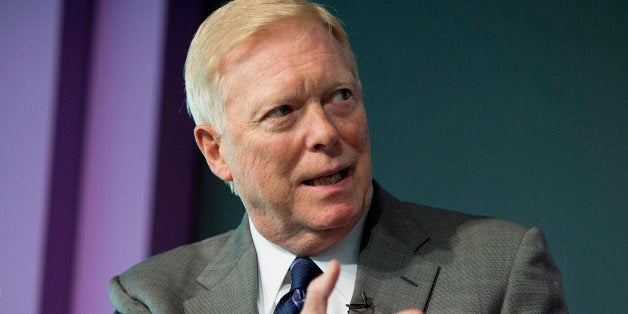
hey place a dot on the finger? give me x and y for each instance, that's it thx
(319, 290)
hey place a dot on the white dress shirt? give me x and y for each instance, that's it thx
(274, 261)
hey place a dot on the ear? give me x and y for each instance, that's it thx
(208, 141)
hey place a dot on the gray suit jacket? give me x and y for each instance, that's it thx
(411, 256)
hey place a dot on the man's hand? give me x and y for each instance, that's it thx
(320, 288)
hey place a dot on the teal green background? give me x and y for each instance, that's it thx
(512, 109)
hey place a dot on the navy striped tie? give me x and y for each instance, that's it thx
(302, 271)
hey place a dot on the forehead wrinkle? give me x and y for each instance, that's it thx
(301, 71)
(298, 76)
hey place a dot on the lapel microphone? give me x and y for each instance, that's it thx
(366, 303)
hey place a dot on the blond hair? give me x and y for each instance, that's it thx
(227, 27)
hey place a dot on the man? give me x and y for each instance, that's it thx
(274, 90)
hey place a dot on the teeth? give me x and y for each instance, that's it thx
(332, 179)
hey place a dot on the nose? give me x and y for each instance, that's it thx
(322, 134)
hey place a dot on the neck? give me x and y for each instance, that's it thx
(313, 242)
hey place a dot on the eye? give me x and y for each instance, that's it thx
(342, 95)
(280, 111)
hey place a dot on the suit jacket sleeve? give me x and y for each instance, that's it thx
(122, 301)
(535, 283)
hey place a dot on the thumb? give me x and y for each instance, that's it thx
(319, 290)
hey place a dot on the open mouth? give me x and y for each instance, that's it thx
(328, 180)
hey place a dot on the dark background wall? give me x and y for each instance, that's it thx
(513, 109)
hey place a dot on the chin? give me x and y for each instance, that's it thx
(336, 217)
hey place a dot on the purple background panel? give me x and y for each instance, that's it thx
(116, 202)
(65, 169)
(176, 169)
(29, 33)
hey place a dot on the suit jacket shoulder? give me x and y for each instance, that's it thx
(191, 278)
(415, 256)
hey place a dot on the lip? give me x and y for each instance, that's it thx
(347, 168)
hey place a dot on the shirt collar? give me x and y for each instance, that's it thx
(274, 260)
(346, 252)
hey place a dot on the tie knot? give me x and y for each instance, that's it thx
(302, 271)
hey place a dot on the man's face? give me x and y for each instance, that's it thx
(296, 139)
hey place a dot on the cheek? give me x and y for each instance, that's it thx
(357, 133)
(266, 159)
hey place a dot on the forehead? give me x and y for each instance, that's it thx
(287, 48)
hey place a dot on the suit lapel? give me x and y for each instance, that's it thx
(230, 279)
(392, 272)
